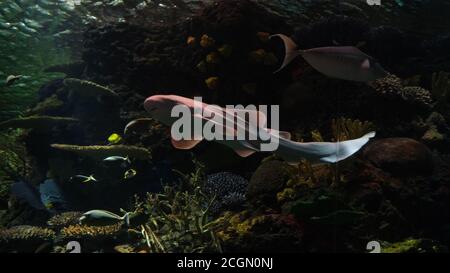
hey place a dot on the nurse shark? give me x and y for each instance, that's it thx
(160, 108)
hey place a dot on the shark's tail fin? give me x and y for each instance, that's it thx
(291, 51)
(327, 152)
(348, 148)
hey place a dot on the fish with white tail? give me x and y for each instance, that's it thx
(160, 108)
(103, 218)
(341, 62)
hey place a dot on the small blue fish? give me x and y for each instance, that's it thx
(51, 195)
(48, 197)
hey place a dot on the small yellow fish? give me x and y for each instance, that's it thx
(225, 50)
(130, 174)
(114, 138)
(213, 58)
(263, 36)
(207, 41)
(212, 82)
(191, 41)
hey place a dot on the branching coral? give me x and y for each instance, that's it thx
(65, 219)
(83, 232)
(179, 220)
(100, 152)
(27, 237)
(88, 89)
(36, 122)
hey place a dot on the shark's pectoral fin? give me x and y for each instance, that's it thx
(184, 144)
(242, 152)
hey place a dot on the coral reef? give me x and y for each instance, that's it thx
(180, 221)
(85, 233)
(87, 89)
(100, 152)
(228, 190)
(36, 122)
(25, 238)
(396, 190)
(64, 219)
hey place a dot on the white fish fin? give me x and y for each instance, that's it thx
(184, 144)
(365, 64)
(126, 219)
(291, 51)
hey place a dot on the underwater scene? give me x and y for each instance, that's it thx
(226, 126)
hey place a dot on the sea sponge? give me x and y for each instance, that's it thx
(88, 89)
(82, 232)
(65, 219)
(36, 122)
(100, 152)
